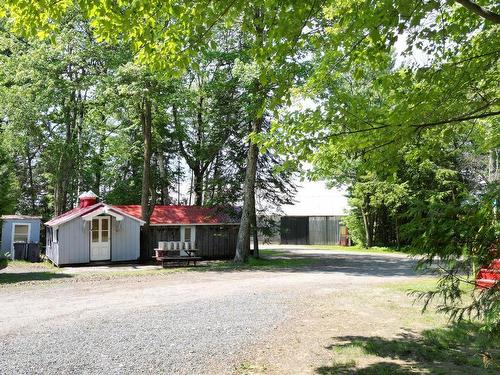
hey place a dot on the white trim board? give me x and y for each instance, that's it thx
(12, 235)
(106, 210)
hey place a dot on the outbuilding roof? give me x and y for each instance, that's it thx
(19, 217)
(162, 214)
(182, 215)
(81, 211)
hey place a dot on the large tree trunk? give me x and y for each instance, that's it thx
(398, 241)
(165, 198)
(493, 166)
(30, 178)
(198, 187)
(147, 206)
(243, 241)
(367, 223)
(255, 230)
(65, 164)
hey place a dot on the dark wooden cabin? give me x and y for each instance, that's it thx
(213, 230)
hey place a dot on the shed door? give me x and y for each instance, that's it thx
(21, 232)
(100, 248)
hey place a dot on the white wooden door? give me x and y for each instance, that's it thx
(100, 248)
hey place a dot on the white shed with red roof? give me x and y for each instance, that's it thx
(98, 232)
(93, 232)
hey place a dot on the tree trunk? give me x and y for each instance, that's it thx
(493, 166)
(99, 167)
(398, 242)
(30, 178)
(146, 205)
(367, 223)
(215, 177)
(165, 198)
(198, 187)
(243, 241)
(480, 11)
(249, 195)
(255, 231)
(65, 164)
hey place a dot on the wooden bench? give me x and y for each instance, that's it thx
(186, 259)
(166, 256)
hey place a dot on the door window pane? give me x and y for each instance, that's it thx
(21, 233)
(104, 236)
(95, 224)
(105, 223)
(95, 235)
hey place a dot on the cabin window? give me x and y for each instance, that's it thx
(95, 230)
(104, 230)
(55, 236)
(49, 235)
(187, 234)
(21, 233)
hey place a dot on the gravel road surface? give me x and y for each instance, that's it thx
(183, 323)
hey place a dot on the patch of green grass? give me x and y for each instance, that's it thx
(25, 264)
(109, 275)
(359, 249)
(22, 277)
(460, 346)
(348, 351)
(272, 253)
(248, 368)
(349, 368)
(424, 284)
(263, 263)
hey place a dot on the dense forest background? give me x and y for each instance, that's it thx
(75, 112)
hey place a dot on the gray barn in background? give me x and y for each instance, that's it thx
(313, 230)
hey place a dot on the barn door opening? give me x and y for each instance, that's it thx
(100, 248)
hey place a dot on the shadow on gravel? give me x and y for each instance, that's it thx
(18, 277)
(349, 264)
(460, 348)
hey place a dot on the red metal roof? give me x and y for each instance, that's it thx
(171, 214)
(75, 212)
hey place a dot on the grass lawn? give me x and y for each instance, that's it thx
(359, 249)
(456, 348)
(440, 348)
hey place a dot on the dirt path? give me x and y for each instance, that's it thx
(192, 322)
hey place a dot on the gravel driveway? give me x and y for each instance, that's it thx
(183, 323)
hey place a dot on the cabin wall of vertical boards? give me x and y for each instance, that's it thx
(125, 239)
(73, 241)
(211, 241)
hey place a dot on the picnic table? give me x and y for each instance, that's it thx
(167, 256)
